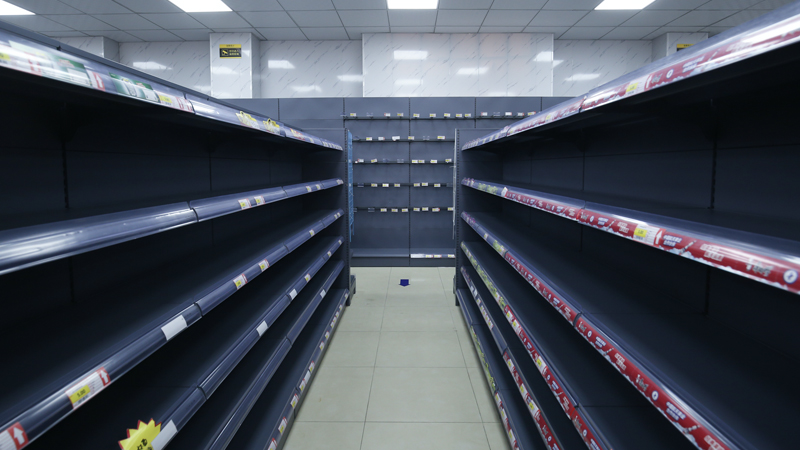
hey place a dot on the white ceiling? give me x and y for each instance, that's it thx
(160, 20)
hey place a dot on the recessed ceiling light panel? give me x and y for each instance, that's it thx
(623, 4)
(7, 9)
(412, 4)
(201, 5)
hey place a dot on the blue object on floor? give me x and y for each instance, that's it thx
(403, 282)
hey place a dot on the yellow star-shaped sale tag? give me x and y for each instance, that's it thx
(141, 438)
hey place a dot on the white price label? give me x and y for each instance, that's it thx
(245, 203)
(263, 265)
(259, 200)
(293, 294)
(240, 281)
(262, 328)
(174, 327)
(87, 388)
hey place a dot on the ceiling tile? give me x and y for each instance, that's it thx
(509, 18)
(81, 22)
(518, 4)
(586, 32)
(557, 18)
(713, 31)
(369, 18)
(193, 35)
(316, 18)
(355, 32)
(629, 32)
(729, 4)
(460, 18)
(605, 18)
(772, 4)
(119, 36)
(236, 30)
(128, 21)
(653, 18)
(97, 6)
(155, 35)
(580, 5)
(411, 18)
(464, 4)
(220, 19)
(428, 29)
(501, 29)
(174, 21)
(36, 23)
(283, 34)
(675, 4)
(321, 34)
(739, 18)
(306, 5)
(254, 5)
(359, 4)
(473, 29)
(149, 6)
(63, 34)
(44, 7)
(269, 19)
(700, 18)
(556, 31)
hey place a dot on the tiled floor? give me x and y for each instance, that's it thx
(401, 373)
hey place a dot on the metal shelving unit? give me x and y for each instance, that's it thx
(170, 247)
(584, 225)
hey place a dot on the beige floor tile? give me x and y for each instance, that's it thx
(337, 394)
(325, 436)
(496, 434)
(424, 436)
(459, 321)
(352, 349)
(417, 318)
(483, 395)
(419, 349)
(361, 319)
(422, 395)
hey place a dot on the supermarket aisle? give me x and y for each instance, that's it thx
(401, 373)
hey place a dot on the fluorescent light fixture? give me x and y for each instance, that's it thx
(279, 64)
(410, 54)
(412, 4)
(201, 5)
(351, 78)
(583, 77)
(472, 71)
(624, 4)
(7, 9)
(150, 65)
(408, 82)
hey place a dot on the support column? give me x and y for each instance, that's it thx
(235, 65)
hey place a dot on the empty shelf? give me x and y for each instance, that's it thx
(684, 364)
(175, 382)
(700, 235)
(38, 244)
(131, 321)
(380, 253)
(577, 376)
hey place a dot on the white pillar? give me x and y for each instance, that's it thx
(235, 65)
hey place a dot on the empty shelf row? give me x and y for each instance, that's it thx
(52, 62)
(37, 244)
(403, 209)
(687, 368)
(397, 185)
(67, 363)
(432, 116)
(413, 253)
(767, 259)
(770, 32)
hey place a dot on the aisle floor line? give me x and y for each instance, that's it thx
(430, 394)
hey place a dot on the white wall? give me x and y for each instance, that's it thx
(311, 69)
(583, 65)
(458, 65)
(184, 63)
(515, 64)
